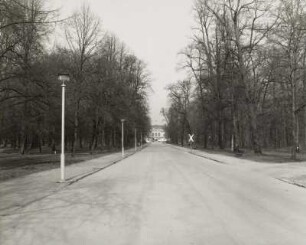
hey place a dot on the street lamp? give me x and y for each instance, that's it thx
(141, 139)
(122, 136)
(135, 139)
(63, 78)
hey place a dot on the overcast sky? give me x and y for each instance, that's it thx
(154, 30)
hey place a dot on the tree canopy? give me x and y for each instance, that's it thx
(246, 63)
(107, 81)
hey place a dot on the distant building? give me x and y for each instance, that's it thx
(158, 133)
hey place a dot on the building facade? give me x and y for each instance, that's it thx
(157, 133)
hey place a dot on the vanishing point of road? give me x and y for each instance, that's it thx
(164, 195)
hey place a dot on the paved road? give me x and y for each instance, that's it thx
(162, 195)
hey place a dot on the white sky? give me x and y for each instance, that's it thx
(154, 30)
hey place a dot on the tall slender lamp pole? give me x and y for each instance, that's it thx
(63, 78)
(122, 136)
(135, 139)
(141, 140)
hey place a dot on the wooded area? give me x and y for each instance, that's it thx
(107, 82)
(246, 87)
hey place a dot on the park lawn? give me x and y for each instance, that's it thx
(13, 165)
(268, 155)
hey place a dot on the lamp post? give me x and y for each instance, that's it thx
(141, 140)
(63, 78)
(122, 136)
(135, 139)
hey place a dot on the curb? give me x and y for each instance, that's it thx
(291, 182)
(14, 209)
(77, 178)
(209, 158)
(199, 155)
(218, 161)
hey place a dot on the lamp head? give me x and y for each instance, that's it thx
(63, 77)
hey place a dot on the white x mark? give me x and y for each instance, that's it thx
(190, 137)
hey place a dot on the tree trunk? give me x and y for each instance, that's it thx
(220, 131)
(294, 119)
(114, 138)
(93, 136)
(304, 96)
(236, 138)
(254, 130)
(23, 145)
(23, 138)
(305, 112)
(31, 139)
(294, 135)
(40, 142)
(183, 132)
(103, 138)
(53, 147)
(80, 142)
(76, 127)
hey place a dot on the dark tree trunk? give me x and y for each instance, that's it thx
(220, 131)
(40, 142)
(80, 142)
(31, 140)
(114, 138)
(236, 137)
(93, 143)
(254, 130)
(76, 128)
(23, 143)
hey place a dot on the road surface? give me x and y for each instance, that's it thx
(163, 195)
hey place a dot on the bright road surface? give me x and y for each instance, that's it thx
(163, 195)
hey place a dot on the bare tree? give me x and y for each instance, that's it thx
(289, 37)
(224, 57)
(180, 94)
(82, 34)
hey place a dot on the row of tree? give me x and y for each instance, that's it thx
(246, 86)
(107, 82)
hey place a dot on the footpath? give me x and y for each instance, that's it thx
(290, 172)
(20, 192)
